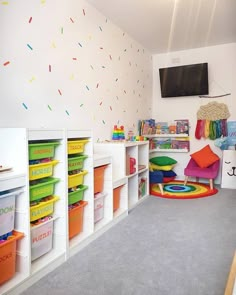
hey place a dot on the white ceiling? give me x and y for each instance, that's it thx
(172, 25)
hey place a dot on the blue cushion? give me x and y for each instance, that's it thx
(170, 173)
(155, 176)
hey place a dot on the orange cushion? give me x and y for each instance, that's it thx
(205, 157)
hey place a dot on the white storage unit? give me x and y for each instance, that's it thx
(229, 169)
(74, 244)
(42, 248)
(13, 153)
(121, 153)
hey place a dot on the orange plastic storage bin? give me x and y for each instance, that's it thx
(8, 257)
(76, 218)
(116, 198)
(99, 178)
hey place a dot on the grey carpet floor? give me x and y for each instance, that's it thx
(164, 247)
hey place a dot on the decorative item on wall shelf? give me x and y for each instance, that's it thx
(212, 121)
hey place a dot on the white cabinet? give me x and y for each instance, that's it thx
(58, 251)
(228, 169)
(79, 137)
(169, 143)
(15, 152)
(129, 159)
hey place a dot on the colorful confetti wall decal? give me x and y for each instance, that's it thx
(85, 44)
(30, 47)
(6, 63)
(25, 106)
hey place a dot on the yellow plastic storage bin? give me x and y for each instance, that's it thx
(42, 209)
(76, 179)
(76, 146)
(41, 170)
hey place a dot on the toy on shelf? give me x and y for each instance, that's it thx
(118, 133)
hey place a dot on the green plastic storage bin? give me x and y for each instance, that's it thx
(75, 163)
(43, 188)
(42, 150)
(77, 195)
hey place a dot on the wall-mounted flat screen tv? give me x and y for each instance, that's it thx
(186, 80)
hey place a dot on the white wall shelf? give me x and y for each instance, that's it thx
(155, 146)
(169, 135)
(169, 151)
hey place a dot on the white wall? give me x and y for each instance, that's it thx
(222, 72)
(63, 64)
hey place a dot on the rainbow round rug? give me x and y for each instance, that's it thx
(177, 190)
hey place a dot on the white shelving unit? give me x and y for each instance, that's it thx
(58, 251)
(74, 244)
(14, 152)
(119, 152)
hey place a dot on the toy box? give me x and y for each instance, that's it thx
(99, 206)
(42, 150)
(8, 257)
(76, 146)
(76, 179)
(7, 211)
(41, 239)
(116, 198)
(43, 188)
(76, 219)
(99, 173)
(42, 209)
(41, 170)
(75, 163)
(77, 195)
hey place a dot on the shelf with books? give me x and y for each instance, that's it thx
(177, 143)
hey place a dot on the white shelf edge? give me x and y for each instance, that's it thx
(165, 135)
(100, 159)
(118, 182)
(169, 151)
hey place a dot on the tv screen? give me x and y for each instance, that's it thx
(187, 80)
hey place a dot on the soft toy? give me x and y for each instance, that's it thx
(222, 143)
